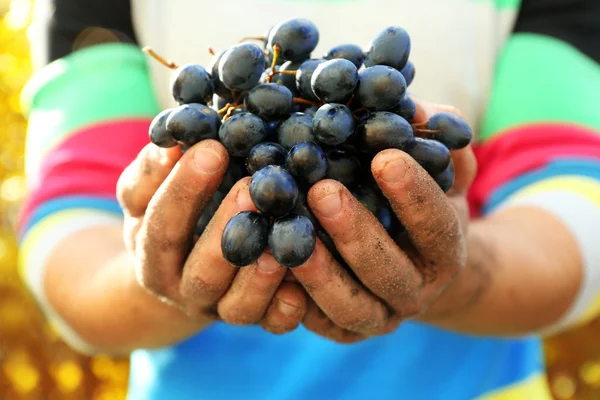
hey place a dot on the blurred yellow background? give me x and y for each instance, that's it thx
(35, 364)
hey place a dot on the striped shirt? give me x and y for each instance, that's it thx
(525, 73)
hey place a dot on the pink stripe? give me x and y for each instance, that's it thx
(524, 149)
(87, 163)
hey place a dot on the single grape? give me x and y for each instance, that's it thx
(334, 81)
(350, 52)
(191, 83)
(333, 124)
(264, 154)
(409, 72)
(158, 131)
(304, 75)
(241, 132)
(307, 163)
(245, 238)
(191, 123)
(432, 155)
(209, 210)
(296, 129)
(298, 37)
(383, 130)
(273, 190)
(445, 179)
(368, 198)
(343, 167)
(453, 131)
(292, 240)
(407, 108)
(220, 89)
(236, 170)
(390, 47)
(380, 88)
(270, 101)
(241, 66)
(289, 81)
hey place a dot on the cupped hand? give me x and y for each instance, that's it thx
(390, 279)
(163, 193)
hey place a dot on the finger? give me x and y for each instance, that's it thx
(345, 301)
(424, 210)
(287, 309)
(364, 243)
(251, 291)
(206, 273)
(140, 180)
(317, 322)
(165, 236)
(465, 168)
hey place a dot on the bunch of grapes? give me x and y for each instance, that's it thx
(289, 121)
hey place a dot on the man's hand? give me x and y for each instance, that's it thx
(163, 193)
(389, 281)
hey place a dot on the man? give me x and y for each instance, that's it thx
(457, 316)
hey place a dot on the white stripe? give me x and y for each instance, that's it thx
(37, 257)
(582, 217)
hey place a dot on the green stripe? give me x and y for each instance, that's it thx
(100, 83)
(542, 79)
(502, 4)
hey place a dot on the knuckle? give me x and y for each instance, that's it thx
(237, 315)
(197, 286)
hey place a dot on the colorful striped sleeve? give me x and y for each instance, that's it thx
(89, 113)
(540, 144)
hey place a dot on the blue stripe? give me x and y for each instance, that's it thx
(65, 203)
(589, 168)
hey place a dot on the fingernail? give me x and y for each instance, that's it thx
(244, 201)
(286, 309)
(393, 171)
(207, 161)
(268, 264)
(329, 206)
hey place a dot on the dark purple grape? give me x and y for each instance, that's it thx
(390, 47)
(191, 83)
(296, 129)
(273, 191)
(380, 88)
(406, 109)
(245, 238)
(272, 128)
(209, 210)
(264, 154)
(409, 72)
(191, 123)
(342, 167)
(334, 81)
(219, 86)
(453, 131)
(383, 130)
(445, 179)
(298, 37)
(350, 52)
(270, 101)
(432, 155)
(333, 124)
(307, 163)
(241, 132)
(368, 198)
(304, 75)
(292, 240)
(289, 81)
(241, 66)
(236, 170)
(158, 131)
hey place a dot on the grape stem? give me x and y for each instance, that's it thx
(300, 100)
(211, 51)
(230, 111)
(350, 101)
(424, 132)
(420, 124)
(276, 52)
(259, 38)
(225, 109)
(167, 63)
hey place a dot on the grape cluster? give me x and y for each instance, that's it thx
(290, 120)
